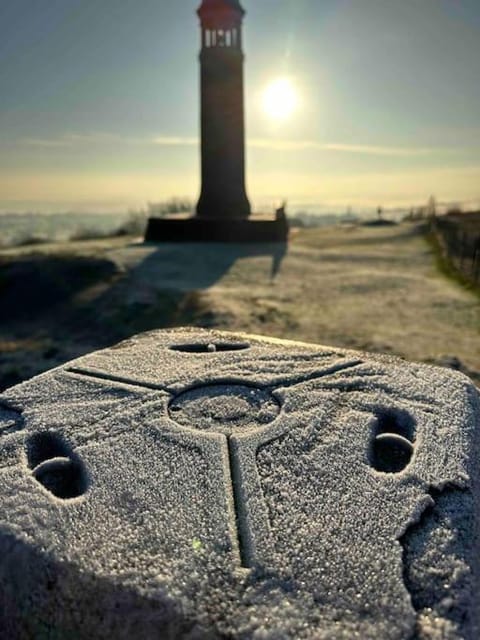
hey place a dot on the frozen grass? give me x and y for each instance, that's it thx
(32, 228)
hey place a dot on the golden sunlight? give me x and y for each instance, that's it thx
(280, 99)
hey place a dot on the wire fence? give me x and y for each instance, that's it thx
(458, 236)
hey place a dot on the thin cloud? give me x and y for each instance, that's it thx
(78, 139)
(172, 141)
(44, 142)
(269, 144)
(383, 151)
(302, 145)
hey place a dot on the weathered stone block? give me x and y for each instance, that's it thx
(197, 484)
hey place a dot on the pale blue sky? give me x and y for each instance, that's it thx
(99, 102)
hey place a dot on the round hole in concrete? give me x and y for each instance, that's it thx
(395, 421)
(391, 453)
(210, 347)
(46, 445)
(63, 477)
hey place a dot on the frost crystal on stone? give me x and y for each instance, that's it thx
(199, 484)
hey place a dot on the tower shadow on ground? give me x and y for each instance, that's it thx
(199, 266)
(165, 286)
(70, 305)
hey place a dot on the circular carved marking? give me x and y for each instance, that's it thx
(224, 408)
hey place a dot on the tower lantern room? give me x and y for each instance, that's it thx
(222, 111)
(221, 23)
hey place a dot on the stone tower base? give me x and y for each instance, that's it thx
(215, 230)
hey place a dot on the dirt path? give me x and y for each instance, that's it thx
(368, 288)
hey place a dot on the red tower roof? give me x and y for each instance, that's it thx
(220, 14)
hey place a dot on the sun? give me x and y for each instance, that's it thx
(280, 99)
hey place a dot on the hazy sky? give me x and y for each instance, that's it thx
(99, 102)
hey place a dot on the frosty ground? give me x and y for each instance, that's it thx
(375, 289)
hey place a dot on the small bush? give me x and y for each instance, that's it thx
(26, 240)
(172, 206)
(88, 233)
(135, 224)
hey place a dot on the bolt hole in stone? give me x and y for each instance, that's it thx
(63, 477)
(395, 421)
(391, 453)
(55, 466)
(44, 446)
(211, 347)
(393, 443)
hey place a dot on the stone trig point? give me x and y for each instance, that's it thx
(197, 484)
(223, 210)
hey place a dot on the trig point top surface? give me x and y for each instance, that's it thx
(196, 484)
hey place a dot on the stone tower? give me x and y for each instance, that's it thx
(223, 210)
(223, 194)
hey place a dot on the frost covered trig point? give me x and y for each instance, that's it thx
(197, 484)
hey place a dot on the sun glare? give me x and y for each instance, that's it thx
(280, 99)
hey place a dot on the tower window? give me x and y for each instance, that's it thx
(221, 38)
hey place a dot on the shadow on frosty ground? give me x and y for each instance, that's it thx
(371, 289)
